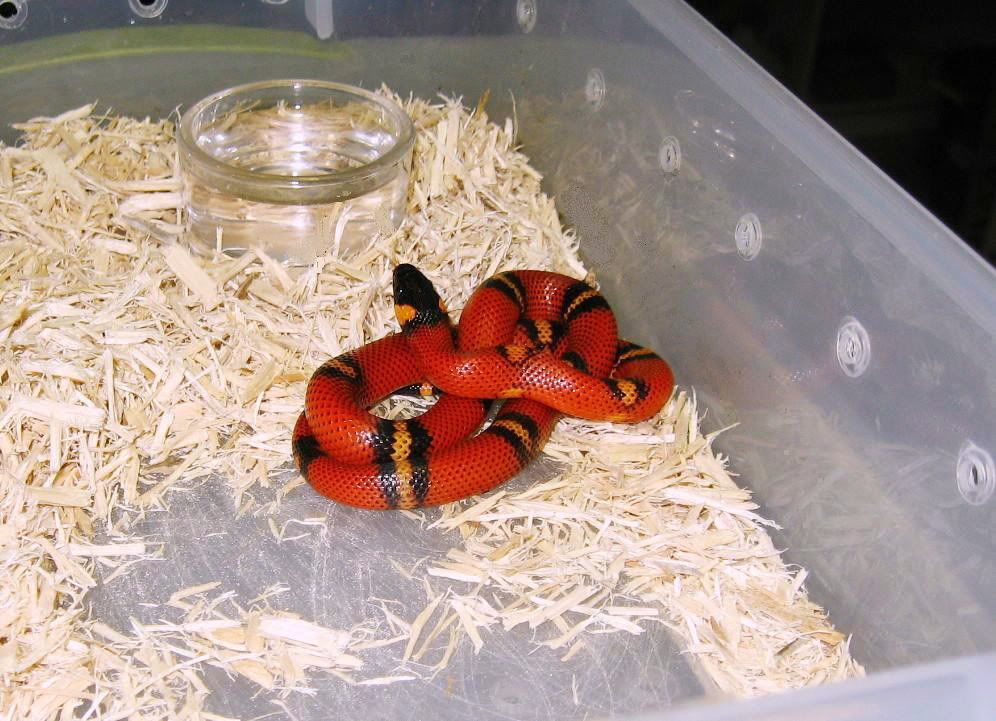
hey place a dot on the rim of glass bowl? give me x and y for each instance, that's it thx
(287, 189)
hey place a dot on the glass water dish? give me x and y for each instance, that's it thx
(295, 168)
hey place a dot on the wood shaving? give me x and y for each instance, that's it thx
(132, 365)
(617, 539)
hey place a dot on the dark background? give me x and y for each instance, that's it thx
(911, 85)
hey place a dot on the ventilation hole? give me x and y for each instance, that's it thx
(853, 347)
(594, 88)
(148, 8)
(669, 155)
(13, 13)
(975, 474)
(748, 236)
(525, 13)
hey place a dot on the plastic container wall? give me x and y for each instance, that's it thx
(801, 293)
(814, 303)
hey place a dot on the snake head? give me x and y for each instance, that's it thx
(416, 302)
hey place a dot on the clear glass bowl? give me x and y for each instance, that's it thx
(294, 167)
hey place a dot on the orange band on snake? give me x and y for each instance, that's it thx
(546, 340)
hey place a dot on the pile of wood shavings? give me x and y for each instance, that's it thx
(126, 367)
(641, 524)
(130, 366)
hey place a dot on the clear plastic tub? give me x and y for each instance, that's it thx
(790, 282)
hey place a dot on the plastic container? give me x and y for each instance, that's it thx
(790, 282)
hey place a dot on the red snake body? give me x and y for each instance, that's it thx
(545, 341)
